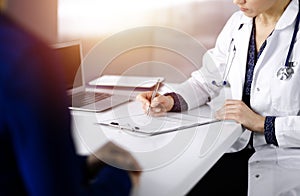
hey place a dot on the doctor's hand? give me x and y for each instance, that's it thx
(237, 110)
(158, 106)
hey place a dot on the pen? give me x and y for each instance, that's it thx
(153, 95)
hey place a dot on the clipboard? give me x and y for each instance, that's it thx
(144, 125)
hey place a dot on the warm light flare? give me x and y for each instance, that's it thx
(97, 17)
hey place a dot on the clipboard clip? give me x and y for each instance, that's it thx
(137, 129)
(127, 127)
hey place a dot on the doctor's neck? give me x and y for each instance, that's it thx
(272, 15)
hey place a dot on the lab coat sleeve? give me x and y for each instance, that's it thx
(287, 130)
(198, 89)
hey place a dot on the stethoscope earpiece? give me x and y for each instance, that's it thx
(224, 82)
(220, 84)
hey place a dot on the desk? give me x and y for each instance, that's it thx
(172, 163)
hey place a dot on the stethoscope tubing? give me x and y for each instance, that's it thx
(287, 64)
(293, 38)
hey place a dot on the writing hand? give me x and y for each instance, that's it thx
(158, 106)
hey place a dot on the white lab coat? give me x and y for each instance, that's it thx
(273, 170)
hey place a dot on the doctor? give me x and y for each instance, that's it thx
(258, 55)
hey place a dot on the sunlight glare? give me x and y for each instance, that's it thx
(97, 17)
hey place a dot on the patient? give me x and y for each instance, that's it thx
(36, 148)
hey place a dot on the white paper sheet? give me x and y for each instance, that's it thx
(147, 125)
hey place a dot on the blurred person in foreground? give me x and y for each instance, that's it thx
(37, 152)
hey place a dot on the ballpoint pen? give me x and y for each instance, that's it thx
(153, 95)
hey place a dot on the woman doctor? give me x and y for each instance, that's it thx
(258, 54)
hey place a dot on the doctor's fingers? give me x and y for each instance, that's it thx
(160, 101)
(242, 114)
(233, 110)
(249, 119)
(164, 102)
(234, 102)
(144, 97)
(234, 106)
(155, 107)
(158, 106)
(226, 114)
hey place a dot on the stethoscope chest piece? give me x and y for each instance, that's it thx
(285, 73)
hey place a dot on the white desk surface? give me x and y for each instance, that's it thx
(173, 163)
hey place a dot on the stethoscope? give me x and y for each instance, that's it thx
(284, 73)
(224, 82)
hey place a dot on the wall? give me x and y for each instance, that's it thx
(39, 16)
(202, 20)
(187, 32)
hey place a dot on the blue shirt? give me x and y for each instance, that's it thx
(253, 56)
(36, 147)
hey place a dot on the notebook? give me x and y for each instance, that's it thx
(70, 57)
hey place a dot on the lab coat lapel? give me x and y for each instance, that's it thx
(264, 57)
(272, 41)
(239, 66)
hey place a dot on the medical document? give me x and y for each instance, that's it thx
(149, 126)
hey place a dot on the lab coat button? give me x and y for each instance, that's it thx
(257, 176)
(257, 89)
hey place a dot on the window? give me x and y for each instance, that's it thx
(101, 17)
